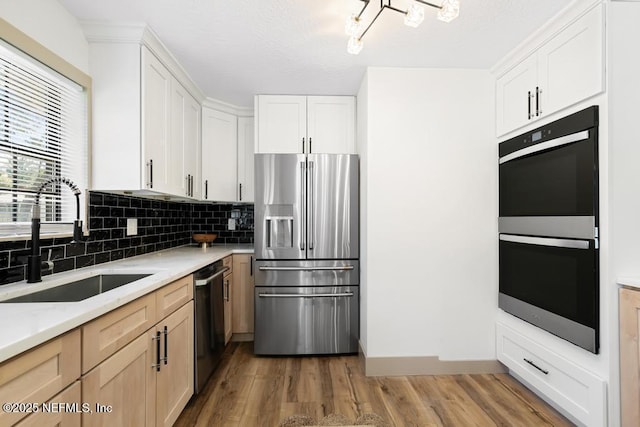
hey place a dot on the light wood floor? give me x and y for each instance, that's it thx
(249, 391)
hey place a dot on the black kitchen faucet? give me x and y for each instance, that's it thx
(34, 261)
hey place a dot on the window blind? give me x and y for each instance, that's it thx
(43, 135)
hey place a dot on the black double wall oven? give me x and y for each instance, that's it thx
(548, 225)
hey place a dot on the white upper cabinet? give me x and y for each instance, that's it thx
(516, 94)
(305, 124)
(146, 123)
(571, 65)
(219, 156)
(245, 159)
(184, 149)
(565, 70)
(282, 123)
(156, 94)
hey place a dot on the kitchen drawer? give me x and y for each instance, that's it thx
(228, 262)
(107, 334)
(173, 296)
(579, 392)
(39, 374)
(67, 416)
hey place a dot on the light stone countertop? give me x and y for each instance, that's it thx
(26, 325)
(631, 282)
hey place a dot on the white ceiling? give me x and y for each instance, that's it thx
(237, 48)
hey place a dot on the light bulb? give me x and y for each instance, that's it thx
(352, 26)
(449, 11)
(354, 46)
(414, 16)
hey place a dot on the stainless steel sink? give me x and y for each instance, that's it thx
(79, 289)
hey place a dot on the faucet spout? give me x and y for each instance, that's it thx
(34, 261)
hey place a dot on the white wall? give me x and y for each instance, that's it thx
(362, 135)
(624, 154)
(429, 213)
(51, 25)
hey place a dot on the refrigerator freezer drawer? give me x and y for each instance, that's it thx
(306, 320)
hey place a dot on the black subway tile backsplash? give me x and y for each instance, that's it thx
(161, 225)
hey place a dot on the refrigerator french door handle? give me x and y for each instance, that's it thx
(312, 208)
(302, 206)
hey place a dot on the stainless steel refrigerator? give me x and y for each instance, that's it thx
(307, 248)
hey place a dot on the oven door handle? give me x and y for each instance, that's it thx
(205, 282)
(331, 295)
(545, 241)
(337, 268)
(553, 143)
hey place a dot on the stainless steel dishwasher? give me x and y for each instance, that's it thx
(209, 321)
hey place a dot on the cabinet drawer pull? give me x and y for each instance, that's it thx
(544, 371)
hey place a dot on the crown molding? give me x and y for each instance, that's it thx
(227, 107)
(142, 34)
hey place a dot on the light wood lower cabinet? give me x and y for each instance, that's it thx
(630, 357)
(64, 410)
(243, 294)
(105, 335)
(125, 382)
(175, 378)
(173, 296)
(149, 381)
(227, 293)
(39, 374)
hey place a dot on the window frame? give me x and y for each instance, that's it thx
(21, 41)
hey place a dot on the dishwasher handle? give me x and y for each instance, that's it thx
(205, 282)
(331, 295)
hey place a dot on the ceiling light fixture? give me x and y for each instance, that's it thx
(413, 16)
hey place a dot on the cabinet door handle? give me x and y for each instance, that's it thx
(157, 340)
(250, 266)
(186, 191)
(150, 165)
(302, 145)
(191, 184)
(539, 100)
(529, 105)
(240, 192)
(206, 188)
(226, 285)
(310, 145)
(166, 345)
